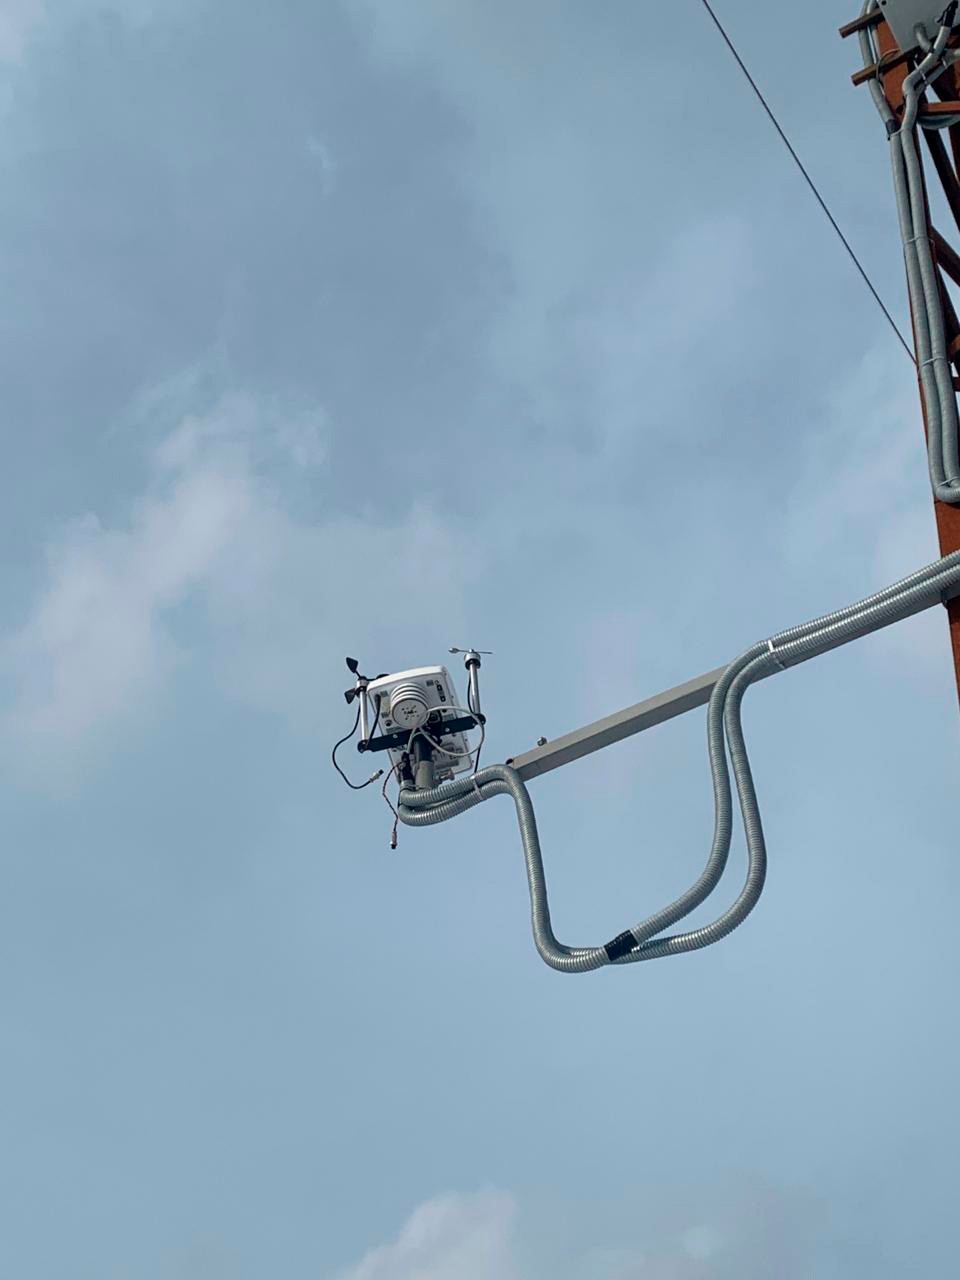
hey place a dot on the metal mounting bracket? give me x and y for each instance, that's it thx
(903, 16)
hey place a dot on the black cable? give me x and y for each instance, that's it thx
(483, 728)
(392, 807)
(356, 786)
(810, 182)
(483, 738)
(378, 699)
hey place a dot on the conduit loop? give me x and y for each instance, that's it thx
(649, 939)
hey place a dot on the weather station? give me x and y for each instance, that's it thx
(911, 50)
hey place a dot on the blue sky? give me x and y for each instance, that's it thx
(376, 328)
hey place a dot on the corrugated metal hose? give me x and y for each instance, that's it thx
(726, 747)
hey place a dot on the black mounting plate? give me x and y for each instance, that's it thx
(434, 726)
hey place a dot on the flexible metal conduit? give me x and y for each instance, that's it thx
(725, 740)
(923, 284)
(727, 752)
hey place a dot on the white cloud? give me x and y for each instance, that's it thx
(23, 20)
(469, 1237)
(702, 1241)
(863, 512)
(866, 477)
(95, 644)
(216, 532)
(752, 1233)
(320, 154)
(19, 19)
(564, 194)
(647, 354)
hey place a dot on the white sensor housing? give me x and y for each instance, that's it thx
(409, 705)
(407, 699)
(903, 16)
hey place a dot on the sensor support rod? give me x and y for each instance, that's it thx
(642, 715)
(622, 724)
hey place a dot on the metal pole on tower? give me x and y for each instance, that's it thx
(891, 69)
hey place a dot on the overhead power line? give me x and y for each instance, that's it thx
(809, 181)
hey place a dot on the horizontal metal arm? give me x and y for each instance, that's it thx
(622, 724)
(643, 715)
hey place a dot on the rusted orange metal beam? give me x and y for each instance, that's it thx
(948, 259)
(894, 70)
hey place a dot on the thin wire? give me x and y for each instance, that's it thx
(810, 182)
(378, 699)
(355, 786)
(483, 730)
(396, 816)
(421, 732)
(456, 755)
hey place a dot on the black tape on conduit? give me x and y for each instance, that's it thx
(620, 946)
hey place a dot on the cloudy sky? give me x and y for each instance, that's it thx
(378, 327)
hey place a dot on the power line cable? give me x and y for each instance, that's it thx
(809, 181)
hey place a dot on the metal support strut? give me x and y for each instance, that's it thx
(674, 702)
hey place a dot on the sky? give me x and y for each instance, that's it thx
(370, 328)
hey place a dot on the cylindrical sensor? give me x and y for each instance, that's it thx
(409, 707)
(472, 663)
(364, 711)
